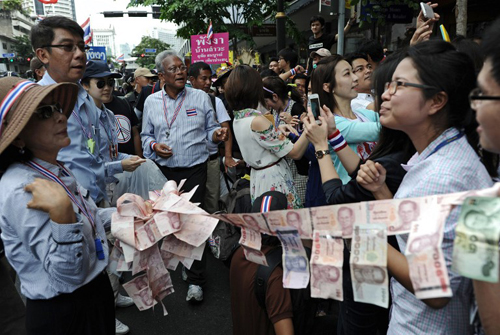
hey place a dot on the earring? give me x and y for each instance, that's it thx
(21, 151)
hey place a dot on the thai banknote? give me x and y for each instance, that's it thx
(250, 238)
(368, 264)
(326, 265)
(122, 227)
(345, 216)
(180, 248)
(253, 221)
(167, 222)
(138, 289)
(428, 272)
(323, 218)
(147, 235)
(396, 214)
(295, 262)
(170, 260)
(132, 205)
(196, 229)
(475, 251)
(255, 256)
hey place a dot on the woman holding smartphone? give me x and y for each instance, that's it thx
(334, 82)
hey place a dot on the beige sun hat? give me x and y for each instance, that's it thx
(19, 100)
(142, 71)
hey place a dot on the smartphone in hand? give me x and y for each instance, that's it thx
(427, 10)
(314, 103)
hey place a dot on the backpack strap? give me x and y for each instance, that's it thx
(214, 105)
(274, 258)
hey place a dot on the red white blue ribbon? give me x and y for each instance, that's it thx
(10, 99)
(51, 176)
(165, 109)
(266, 204)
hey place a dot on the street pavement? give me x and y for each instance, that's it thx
(211, 317)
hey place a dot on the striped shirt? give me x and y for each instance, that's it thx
(88, 168)
(189, 130)
(454, 168)
(49, 258)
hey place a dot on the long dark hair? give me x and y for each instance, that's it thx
(390, 140)
(12, 155)
(440, 65)
(325, 73)
(281, 89)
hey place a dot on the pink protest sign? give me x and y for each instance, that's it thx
(213, 51)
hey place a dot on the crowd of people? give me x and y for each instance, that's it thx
(417, 122)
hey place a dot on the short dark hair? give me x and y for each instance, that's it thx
(355, 55)
(196, 68)
(268, 73)
(318, 18)
(491, 48)
(289, 56)
(373, 49)
(273, 59)
(243, 88)
(43, 32)
(471, 49)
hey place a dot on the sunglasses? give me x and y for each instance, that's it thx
(101, 82)
(46, 112)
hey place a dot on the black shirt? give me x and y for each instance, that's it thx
(324, 41)
(126, 119)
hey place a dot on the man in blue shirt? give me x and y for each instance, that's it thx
(178, 123)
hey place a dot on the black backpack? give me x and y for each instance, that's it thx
(225, 236)
(305, 320)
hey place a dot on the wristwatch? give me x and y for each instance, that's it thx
(321, 153)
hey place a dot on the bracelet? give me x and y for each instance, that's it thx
(153, 145)
(333, 135)
(293, 72)
(337, 142)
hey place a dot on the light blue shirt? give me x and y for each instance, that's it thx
(88, 168)
(109, 137)
(222, 116)
(365, 128)
(49, 258)
(453, 168)
(188, 135)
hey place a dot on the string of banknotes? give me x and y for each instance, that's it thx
(184, 227)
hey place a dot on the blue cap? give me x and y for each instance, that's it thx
(99, 69)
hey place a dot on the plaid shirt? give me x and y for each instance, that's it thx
(454, 168)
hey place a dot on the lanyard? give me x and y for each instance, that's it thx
(165, 109)
(445, 143)
(113, 146)
(81, 205)
(88, 133)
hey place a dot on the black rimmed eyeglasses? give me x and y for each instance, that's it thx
(392, 86)
(69, 47)
(46, 112)
(476, 96)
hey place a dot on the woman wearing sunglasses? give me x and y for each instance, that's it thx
(51, 228)
(99, 82)
(428, 100)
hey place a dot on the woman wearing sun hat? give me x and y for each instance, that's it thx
(51, 229)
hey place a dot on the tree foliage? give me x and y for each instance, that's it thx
(148, 43)
(22, 47)
(193, 16)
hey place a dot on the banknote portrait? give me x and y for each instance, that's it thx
(145, 297)
(294, 220)
(251, 222)
(346, 218)
(368, 274)
(140, 282)
(423, 242)
(408, 211)
(324, 274)
(296, 263)
(477, 220)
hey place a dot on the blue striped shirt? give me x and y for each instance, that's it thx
(453, 168)
(189, 133)
(87, 167)
(49, 258)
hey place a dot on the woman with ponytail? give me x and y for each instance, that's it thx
(428, 100)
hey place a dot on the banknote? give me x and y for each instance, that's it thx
(295, 262)
(298, 219)
(255, 256)
(347, 215)
(122, 265)
(180, 248)
(196, 229)
(326, 265)
(183, 206)
(253, 221)
(122, 227)
(169, 259)
(250, 238)
(147, 235)
(132, 205)
(114, 257)
(140, 262)
(167, 222)
(128, 251)
(475, 250)
(166, 201)
(323, 218)
(368, 264)
(187, 262)
(397, 214)
(138, 289)
(427, 266)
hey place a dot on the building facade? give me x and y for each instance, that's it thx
(62, 7)
(105, 37)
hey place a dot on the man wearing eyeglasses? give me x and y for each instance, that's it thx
(178, 122)
(363, 70)
(485, 100)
